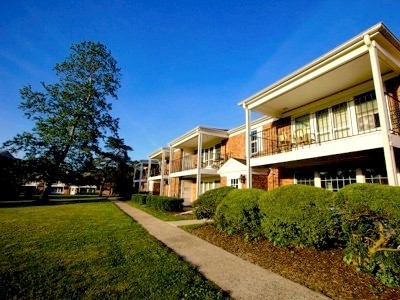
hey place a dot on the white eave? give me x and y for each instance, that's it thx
(189, 139)
(341, 68)
(158, 153)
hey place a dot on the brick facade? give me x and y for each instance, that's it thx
(235, 146)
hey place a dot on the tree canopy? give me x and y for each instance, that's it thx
(71, 117)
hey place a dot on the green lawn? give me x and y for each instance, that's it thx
(89, 250)
(162, 215)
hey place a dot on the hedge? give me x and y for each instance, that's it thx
(299, 215)
(370, 216)
(139, 198)
(164, 203)
(238, 212)
(207, 203)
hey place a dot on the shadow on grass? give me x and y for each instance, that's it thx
(52, 201)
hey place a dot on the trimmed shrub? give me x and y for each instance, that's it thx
(299, 215)
(207, 203)
(165, 203)
(370, 216)
(139, 198)
(238, 213)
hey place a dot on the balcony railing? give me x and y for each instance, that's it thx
(157, 171)
(394, 111)
(278, 140)
(189, 162)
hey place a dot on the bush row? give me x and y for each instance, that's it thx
(159, 202)
(363, 218)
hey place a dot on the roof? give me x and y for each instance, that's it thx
(7, 154)
(341, 68)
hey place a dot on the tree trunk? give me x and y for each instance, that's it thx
(44, 196)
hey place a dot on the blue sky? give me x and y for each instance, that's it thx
(184, 63)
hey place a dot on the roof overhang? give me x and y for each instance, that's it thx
(159, 152)
(210, 136)
(340, 69)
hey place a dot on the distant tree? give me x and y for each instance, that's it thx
(114, 166)
(71, 116)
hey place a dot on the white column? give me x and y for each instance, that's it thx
(171, 158)
(148, 175)
(162, 173)
(360, 177)
(199, 159)
(140, 175)
(390, 161)
(249, 178)
(317, 179)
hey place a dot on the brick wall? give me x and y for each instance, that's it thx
(223, 181)
(174, 187)
(393, 89)
(260, 182)
(235, 146)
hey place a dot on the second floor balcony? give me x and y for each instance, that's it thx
(342, 121)
(189, 162)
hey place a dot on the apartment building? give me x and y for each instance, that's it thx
(334, 122)
(141, 173)
(202, 159)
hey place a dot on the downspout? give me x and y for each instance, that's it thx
(249, 178)
(390, 161)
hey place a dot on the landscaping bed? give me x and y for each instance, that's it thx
(322, 271)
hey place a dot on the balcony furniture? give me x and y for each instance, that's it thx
(283, 142)
(302, 138)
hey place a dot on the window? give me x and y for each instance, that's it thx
(211, 155)
(367, 112)
(254, 143)
(209, 185)
(340, 121)
(334, 180)
(304, 177)
(376, 176)
(324, 125)
(235, 182)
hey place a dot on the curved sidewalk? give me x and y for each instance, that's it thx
(241, 279)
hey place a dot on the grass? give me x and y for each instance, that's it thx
(162, 215)
(89, 250)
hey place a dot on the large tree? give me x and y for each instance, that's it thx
(72, 116)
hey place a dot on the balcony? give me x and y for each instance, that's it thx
(157, 171)
(189, 162)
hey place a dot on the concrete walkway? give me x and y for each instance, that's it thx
(241, 279)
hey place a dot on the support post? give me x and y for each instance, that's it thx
(249, 178)
(148, 175)
(171, 159)
(199, 161)
(162, 173)
(390, 161)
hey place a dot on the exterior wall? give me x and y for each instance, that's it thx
(235, 146)
(193, 192)
(260, 182)
(174, 187)
(393, 90)
(165, 190)
(223, 180)
(273, 179)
